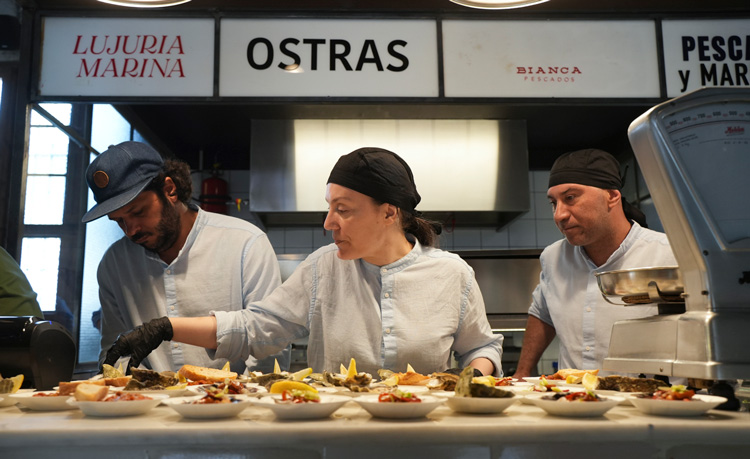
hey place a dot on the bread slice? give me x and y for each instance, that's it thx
(68, 388)
(90, 392)
(196, 373)
(117, 382)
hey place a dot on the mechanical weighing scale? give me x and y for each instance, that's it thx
(694, 153)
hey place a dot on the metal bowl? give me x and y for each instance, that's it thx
(629, 287)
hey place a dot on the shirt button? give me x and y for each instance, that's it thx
(387, 295)
(588, 348)
(383, 270)
(175, 345)
(588, 309)
(387, 331)
(169, 271)
(171, 308)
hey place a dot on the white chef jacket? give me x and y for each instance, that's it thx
(416, 310)
(226, 264)
(568, 297)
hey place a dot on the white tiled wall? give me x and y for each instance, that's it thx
(534, 229)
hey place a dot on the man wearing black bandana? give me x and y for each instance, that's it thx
(382, 293)
(602, 233)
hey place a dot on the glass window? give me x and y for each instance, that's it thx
(45, 200)
(48, 151)
(40, 262)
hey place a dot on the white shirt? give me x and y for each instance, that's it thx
(226, 264)
(568, 297)
(416, 310)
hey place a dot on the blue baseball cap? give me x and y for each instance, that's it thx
(119, 174)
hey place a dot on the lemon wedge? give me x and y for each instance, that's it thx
(17, 381)
(352, 370)
(276, 368)
(486, 380)
(409, 368)
(302, 374)
(342, 369)
(391, 381)
(177, 386)
(589, 381)
(280, 386)
(226, 367)
(572, 379)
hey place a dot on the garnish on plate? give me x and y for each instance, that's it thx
(398, 396)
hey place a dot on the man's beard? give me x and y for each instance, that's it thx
(168, 228)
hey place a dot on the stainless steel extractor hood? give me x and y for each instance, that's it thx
(469, 172)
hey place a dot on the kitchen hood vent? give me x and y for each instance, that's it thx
(468, 172)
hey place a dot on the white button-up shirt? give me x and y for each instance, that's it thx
(417, 310)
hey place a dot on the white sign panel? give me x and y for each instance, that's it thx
(320, 58)
(700, 53)
(550, 59)
(127, 57)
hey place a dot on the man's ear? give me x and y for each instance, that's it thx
(391, 212)
(614, 197)
(170, 189)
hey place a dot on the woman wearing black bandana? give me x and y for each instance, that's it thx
(381, 293)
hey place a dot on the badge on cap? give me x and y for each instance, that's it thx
(101, 179)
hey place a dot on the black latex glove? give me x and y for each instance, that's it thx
(139, 342)
(457, 372)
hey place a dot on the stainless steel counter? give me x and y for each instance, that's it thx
(522, 431)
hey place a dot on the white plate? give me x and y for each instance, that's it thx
(414, 389)
(699, 405)
(27, 399)
(327, 405)
(529, 390)
(167, 392)
(573, 409)
(121, 408)
(480, 405)
(201, 389)
(614, 393)
(184, 406)
(536, 379)
(395, 410)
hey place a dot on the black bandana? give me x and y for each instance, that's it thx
(596, 168)
(379, 174)
(590, 167)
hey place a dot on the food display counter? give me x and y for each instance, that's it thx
(521, 431)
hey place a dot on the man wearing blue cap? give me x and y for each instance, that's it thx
(175, 260)
(603, 232)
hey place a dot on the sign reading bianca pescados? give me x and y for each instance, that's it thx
(566, 58)
(127, 57)
(700, 53)
(328, 57)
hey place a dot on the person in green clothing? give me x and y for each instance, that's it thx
(17, 298)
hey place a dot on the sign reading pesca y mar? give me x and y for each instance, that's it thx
(700, 53)
(127, 57)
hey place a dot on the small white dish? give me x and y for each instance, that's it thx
(7, 400)
(187, 409)
(529, 390)
(480, 405)
(200, 389)
(119, 408)
(327, 406)
(396, 410)
(54, 403)
(167, 392)
(700, 404)
(565, 408)
(537, 379)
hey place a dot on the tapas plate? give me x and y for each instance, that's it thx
(188, 409)
(700, 404)
(536, 379)
(287, 411)
(407, 410)
(480, 405)
(562, 407)
(54, 403)
(200, 389)
(168, 392)
(119, 408)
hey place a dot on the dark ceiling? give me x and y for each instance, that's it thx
(221, 130)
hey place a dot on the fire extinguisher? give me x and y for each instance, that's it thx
(214, 193)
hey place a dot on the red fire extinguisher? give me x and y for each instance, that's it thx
(214, 193)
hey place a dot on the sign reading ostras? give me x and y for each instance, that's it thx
(129, 56)
(260, 54)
